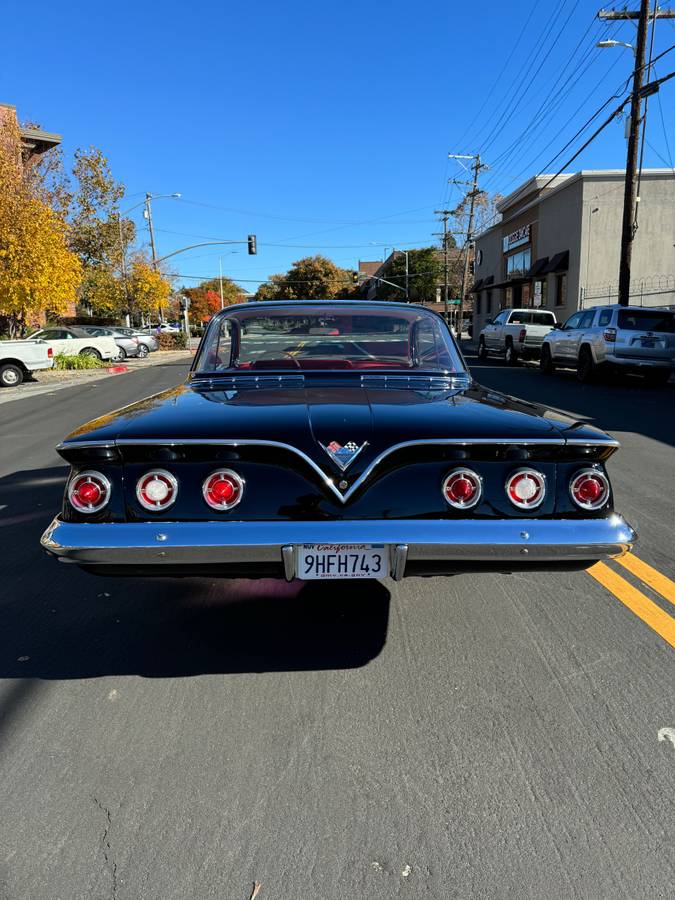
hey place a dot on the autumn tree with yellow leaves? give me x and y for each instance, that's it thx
(149, 291)
(38, 271)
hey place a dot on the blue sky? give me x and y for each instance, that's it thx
(321, 127)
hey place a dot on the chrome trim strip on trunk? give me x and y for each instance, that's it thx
(461, 540)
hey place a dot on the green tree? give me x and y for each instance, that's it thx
(310, 278)
(425, 273)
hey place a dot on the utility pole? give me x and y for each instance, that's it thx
(445, 215)
(630, 198)
(148, 216)
(477, 166)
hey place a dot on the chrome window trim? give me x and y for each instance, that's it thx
(327, 480)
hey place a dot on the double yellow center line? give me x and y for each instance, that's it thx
(650, 612)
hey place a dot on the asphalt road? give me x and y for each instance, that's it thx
(489, 737)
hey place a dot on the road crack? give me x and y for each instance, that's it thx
(108, 856)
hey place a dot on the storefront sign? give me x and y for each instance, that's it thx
(516, 238)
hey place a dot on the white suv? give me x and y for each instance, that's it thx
(627, 338)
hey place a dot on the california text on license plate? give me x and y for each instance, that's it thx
(318, 561)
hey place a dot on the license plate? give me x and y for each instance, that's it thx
(315, 562)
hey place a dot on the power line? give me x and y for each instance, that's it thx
(519, 94)
(490, 93)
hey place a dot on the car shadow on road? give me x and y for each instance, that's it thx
(614, 403)
(57, 622)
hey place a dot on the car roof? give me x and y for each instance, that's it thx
(331, 305)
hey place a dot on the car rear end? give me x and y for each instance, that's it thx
(532, 333)
(642, 340)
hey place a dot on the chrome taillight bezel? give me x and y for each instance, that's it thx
(223, 506)
(93, 476)
(471, 476)
(158, 506)
(538, 477)
(592, 504)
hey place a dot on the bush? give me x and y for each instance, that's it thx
(173, 341)
(77, 361)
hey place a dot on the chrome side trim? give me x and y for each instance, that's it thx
(450, 540)
(328, 481)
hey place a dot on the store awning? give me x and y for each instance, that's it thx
(510, 282)
(538, 268)
(559, 263)
(476, 286)
(488, 281)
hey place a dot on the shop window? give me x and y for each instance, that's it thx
(518, 263)
(561, 289)
(508, 297)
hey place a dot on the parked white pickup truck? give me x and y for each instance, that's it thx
(515, 333)
(19, 358)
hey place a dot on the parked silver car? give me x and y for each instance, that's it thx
(127, 345)
(147, 342)
(627, 338)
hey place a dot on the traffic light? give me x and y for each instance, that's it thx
(252, 245)
(355, 277)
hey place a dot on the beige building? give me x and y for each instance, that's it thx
(557, 245)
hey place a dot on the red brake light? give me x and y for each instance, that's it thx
(462, 488)
(609, 335)
(589, 489)
(526, 488)
(88, 492)
(156, 490)
(522, 335)
(223, 489)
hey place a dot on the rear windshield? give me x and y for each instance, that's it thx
(311, 337)
(647, 320)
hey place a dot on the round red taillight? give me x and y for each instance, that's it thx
(156, 490)
(526, 488)
(462, 488)
(88, 491)
(223, 489)
(589, 489)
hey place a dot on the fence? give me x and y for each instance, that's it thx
(654, 290)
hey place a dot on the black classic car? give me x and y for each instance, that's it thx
(321, 440)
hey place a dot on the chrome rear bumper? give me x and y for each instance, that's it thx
(176, 546)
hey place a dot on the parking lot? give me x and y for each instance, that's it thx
(492, 736)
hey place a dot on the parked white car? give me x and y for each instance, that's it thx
(20, 358)
(515, 333)
(71, 341)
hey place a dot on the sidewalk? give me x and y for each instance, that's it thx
(51, 380)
